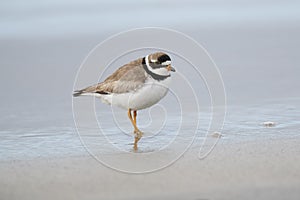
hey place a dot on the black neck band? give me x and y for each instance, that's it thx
(153, 75)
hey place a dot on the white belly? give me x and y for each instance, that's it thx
(151, 93)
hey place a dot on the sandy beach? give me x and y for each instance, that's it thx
(265, 169)
(255, 45)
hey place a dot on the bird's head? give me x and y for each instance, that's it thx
(159, 63)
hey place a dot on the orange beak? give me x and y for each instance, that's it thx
(170, 68)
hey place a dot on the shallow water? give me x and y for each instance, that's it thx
(247, 122)
(43, 138)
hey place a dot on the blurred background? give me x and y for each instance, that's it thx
(255, 44)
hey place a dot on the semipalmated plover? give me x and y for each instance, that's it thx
(135, 86)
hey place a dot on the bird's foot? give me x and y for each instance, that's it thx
(138, 135)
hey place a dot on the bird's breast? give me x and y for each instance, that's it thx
(149, 94)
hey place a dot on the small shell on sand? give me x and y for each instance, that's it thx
(269, 124)
(216, 135)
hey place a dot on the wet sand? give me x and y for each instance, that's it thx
(265, 169)
(255, 46)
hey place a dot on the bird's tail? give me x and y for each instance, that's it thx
(78, 93)
(89, 91)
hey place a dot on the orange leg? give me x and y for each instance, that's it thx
(134, 116)
(137, 132)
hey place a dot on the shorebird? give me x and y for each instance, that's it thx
(135, 86)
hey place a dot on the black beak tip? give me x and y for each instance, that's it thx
(172, 69)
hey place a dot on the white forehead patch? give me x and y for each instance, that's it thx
(166, 62)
